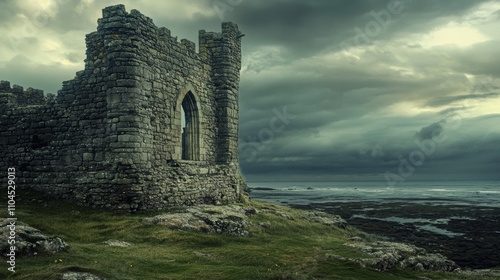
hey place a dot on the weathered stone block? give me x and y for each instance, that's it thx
(88, 157)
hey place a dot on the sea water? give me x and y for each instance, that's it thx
(477, 193)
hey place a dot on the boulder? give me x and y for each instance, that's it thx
(29, 241)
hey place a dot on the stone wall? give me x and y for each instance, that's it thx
(112, 137)
(18, 96)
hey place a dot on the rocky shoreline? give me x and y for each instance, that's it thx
(466, 234)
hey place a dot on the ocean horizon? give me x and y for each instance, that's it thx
(484, 193)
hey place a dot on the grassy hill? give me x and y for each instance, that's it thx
(287, 249)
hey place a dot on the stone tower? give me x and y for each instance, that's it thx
(148, 124)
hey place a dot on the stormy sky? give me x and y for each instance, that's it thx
(330, 90)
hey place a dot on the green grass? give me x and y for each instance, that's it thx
(290, 249)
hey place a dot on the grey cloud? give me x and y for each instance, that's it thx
(430, 131)
(478, 59)
(22, 71)
(7, 12)
(452, 99)
(452, 110)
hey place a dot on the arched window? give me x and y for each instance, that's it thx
(190, 128)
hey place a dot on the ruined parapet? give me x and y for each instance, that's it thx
(16, 96)
(31, 96)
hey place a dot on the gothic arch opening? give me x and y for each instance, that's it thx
(190, 128)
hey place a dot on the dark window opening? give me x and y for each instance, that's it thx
(189, 128)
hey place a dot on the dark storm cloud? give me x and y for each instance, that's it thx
(478, 60)
(433, 9)
(358, 154)
(302, 26)
(306, 27)
(430, 131)
(326, 135)
(475, 158)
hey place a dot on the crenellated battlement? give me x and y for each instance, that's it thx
(118, 26)
(16, 96)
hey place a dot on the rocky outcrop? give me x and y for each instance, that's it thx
(80, 276)
(324, 218)
(388, 255)
(29, 241)
(230, 219)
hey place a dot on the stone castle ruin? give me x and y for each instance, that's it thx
(150, 123)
